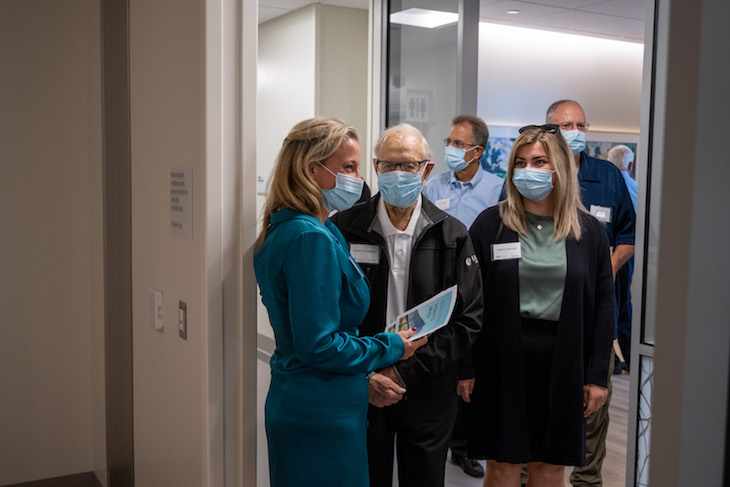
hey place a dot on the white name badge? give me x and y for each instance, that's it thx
(365, 253)
(506, 251)
(602, 213)
(443, 204)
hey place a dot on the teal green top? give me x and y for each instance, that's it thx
(542, 270)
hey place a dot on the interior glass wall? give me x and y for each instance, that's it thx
(423, 70)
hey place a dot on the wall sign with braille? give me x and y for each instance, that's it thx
(181, 202)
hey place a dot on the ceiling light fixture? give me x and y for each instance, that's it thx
(513, 12)
(419, 17)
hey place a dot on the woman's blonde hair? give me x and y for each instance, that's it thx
(291, 185)
(566, 189)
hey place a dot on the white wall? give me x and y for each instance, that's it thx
(522, 71)
(342, 66)
(312, 61)
(51, 287)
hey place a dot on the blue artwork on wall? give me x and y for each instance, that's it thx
(496, 157)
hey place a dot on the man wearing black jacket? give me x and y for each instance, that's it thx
(410, 250)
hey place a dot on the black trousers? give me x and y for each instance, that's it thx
(458, 434)
(420, 430)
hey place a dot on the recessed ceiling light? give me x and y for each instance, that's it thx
(513, 12)
(419, 17)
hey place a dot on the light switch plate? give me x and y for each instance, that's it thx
(154, 308)
(182, 320)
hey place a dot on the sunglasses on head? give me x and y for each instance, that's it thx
(550, 128)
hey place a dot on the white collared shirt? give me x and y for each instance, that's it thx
(399, 244)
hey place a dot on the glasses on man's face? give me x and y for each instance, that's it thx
(406, 166)
(457, 143)
(550, 128)
(572, 126)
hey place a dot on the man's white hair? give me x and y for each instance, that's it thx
(621, 156)
(403, 128)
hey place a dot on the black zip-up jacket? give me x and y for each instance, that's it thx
(442, 255)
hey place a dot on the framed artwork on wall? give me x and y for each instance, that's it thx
(501, 139)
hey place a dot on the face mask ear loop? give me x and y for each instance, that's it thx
(327, 169)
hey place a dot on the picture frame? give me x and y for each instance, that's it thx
(502, 137)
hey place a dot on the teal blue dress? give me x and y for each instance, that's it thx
(316, 408)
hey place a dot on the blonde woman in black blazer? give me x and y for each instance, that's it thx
(541, 360)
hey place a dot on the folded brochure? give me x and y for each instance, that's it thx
(428, 316)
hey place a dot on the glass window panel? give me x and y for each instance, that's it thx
(422, 73)
(643, 431)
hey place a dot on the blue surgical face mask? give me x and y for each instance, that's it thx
(346, 192)
(455, 158)
(400, 188)
(534, 184)
(576, 139)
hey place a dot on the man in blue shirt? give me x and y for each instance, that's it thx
(623, 158)
(467, 189)
(604, 194)
(464, 192)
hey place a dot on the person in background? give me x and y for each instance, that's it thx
(466, 189)
(464, 192)
(316, 297)
(410, 251)
(541, 360)
(604, 194)
(623, 158)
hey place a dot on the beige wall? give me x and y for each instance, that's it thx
(51, 350)
(189, 81)
(168, 129)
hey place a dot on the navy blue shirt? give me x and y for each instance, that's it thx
(604, 194)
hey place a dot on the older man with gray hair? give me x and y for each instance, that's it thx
(623, 158)
(410, 250)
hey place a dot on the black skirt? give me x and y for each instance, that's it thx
(538, 343)
(519, 429)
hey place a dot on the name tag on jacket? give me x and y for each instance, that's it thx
(602, 213)
(506, 251)
(365, 253)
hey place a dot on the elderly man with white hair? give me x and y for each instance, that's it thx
(623, 158)
(410, 250)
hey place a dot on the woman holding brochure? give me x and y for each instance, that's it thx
(541, 360)
(316, 297)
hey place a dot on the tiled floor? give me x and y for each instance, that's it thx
(614, 466)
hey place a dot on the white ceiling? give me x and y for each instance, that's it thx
(615, 19)
(269, 9)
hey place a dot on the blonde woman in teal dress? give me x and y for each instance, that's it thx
(316, 296)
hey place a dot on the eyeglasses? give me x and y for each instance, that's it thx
(550, 128)
(406, 166)
(570, 125)
(457, 143)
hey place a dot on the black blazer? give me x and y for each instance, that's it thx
(442, 255)
(583, 336)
